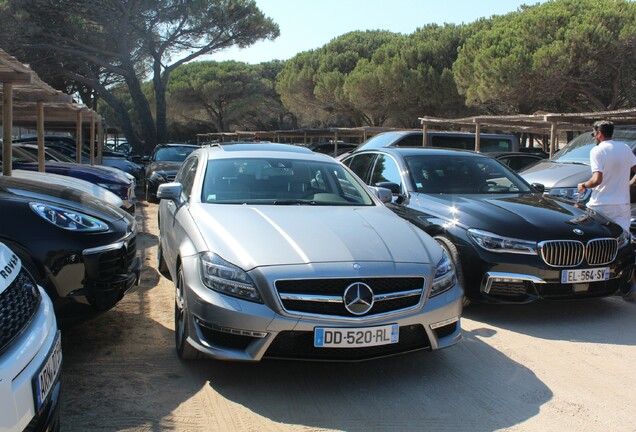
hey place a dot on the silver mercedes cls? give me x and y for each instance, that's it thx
(279, 252)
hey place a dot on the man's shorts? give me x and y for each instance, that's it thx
(619, 213)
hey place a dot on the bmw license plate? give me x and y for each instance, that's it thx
(356, 337)
(585, 275)
(45, 378)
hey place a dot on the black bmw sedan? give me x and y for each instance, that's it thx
(509, 242)
(81, 249)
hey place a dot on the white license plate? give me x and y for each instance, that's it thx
(356, 337)
(44, 380)
(585, 275)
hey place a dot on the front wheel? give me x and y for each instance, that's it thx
(453, 253)
(181, 322)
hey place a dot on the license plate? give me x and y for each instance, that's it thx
(356, 337)
(585, 275)
(44, 380)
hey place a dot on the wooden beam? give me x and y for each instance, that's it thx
(7, 126)
(16, 78)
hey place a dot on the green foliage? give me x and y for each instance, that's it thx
(562, 55)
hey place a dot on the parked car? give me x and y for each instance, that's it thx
(30, 351)
(64, 153)
(517, 161)
(570, 166)
(119, 183)
(509, 242)
(80, 249)
(276, 251)
(329, 148)
(455, 140)
(70, 182)
(163, 164)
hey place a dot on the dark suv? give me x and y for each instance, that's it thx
(571, 165)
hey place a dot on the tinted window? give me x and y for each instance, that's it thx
(578, 150)
(360, 164)
(386, 170)
(172, 154)
(468, 143)
(185, 176)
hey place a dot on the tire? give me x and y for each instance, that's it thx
(161, 265)
(185, 351)
(453, 253)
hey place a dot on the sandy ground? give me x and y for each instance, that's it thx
(566, 366)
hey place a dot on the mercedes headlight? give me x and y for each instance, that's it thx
(226, 278)
(499, 244)
(445, 276)
(68, 219)
(571, 194)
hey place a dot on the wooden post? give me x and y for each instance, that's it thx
(477, 137)
(40, 125)
(92, 140)
(553, 132)
(100, 141)
(335, 144)
(78, 138)
(424, 133)
(7, 126)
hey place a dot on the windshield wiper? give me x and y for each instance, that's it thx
(294, 202)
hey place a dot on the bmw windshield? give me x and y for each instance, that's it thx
(281, 182)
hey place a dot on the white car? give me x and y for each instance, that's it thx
(30, 351)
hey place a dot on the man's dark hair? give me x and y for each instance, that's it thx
(606, 127)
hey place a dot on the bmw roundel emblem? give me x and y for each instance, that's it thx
(357, 266)
(578, 231)
(358, 298)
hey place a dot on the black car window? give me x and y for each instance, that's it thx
(185, 176)
(385, 170)
(172, 154)
(360, 164)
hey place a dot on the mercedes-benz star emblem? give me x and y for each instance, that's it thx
(358, 298)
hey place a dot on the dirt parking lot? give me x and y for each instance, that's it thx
(564, 366)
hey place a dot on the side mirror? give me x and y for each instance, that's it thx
(170, 191)
(539, 187)
(393, 187)
(383, 194)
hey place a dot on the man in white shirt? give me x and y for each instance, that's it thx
(612, 163)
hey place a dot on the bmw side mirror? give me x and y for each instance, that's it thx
(539, 187)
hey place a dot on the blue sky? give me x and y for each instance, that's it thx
(310, 24)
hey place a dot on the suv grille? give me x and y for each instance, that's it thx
(325, 296)
(116, 262)
(571, 253)
(18, 304)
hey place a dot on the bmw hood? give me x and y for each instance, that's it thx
(524, 216)
(556, 175)
(253, 236)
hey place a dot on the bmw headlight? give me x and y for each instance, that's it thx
(571, 194)
(624, 239)
(499, 244)
(68, 219)
(226, 278)
(158, 177)
(445, 276)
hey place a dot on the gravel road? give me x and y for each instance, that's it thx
(551, 366)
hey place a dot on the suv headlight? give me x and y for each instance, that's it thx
(158, 177)
(499, 244)
(571, 194)
(226, 278)
(68, 219)
(445, 276)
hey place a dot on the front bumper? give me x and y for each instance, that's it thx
(97, 281)
(229, 328)
(18, 367)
